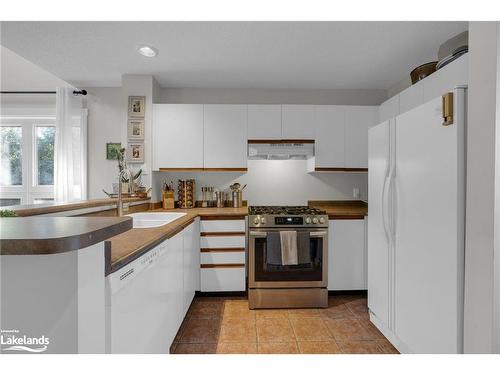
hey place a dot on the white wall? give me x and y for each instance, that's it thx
(106, 108)
(107, 122)
(278, 182)
(271, 96)
(479, 247)
(496, 309)
(139, 85)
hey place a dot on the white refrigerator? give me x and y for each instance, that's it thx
(416, 226)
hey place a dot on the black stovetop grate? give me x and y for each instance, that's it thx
(284, 210)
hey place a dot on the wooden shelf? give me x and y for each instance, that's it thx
(340, 169)
(279, 141)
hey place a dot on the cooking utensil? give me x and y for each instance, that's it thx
(237, 198)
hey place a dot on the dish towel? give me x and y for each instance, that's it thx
(304, 248)
(289, 255)
(273, 249)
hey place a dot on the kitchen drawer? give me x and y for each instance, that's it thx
(223, 279)
(222, 226)
(221, 257)
(210, 242)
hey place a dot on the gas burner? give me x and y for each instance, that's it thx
(284, 210)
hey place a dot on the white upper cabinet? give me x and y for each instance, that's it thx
(389, 109)
(446, 79)
(177, 136)
(298, 121)
(225, 136)
(264, 121)
(330, 136)
(357, 121)
(411, 97)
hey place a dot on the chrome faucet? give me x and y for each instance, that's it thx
(125, 172)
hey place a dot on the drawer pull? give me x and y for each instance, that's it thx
(228, 265)
(222, 250)
(207, 234)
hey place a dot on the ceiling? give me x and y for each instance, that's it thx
(305, 55)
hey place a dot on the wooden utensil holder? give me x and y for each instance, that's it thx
(168, 200)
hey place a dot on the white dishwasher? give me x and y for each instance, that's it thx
(138, 305)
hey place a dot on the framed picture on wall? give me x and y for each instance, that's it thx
(112, 150)
(135, 128)
(136, 152)
(136, 106)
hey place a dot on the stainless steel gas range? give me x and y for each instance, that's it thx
(276, 280)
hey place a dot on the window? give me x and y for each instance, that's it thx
(11, 142)
(27, 160)
(45, 138)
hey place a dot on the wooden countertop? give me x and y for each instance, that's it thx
(51, 235)
(49, 208)
(338, 210)
(130, 245)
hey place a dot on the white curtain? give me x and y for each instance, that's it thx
(70, 159)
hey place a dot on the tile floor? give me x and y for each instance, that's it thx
(225, 325)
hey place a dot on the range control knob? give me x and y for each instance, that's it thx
(308, 220)
(256, 220)
(321, 220)
(262, 220)
(315, 220)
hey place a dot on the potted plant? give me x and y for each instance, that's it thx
(7, 213)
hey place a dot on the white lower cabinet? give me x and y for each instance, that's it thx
(223, 256)
(223, 279)
(210, 242)
(148, 299)
(172, 267)
(347, 256)
(191, 263)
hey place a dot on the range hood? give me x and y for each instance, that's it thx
(280, 149)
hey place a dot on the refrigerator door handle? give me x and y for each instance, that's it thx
(392, 171)
(385, 219)
(385, 189)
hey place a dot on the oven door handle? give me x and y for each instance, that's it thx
(258, 234)
(318, 234)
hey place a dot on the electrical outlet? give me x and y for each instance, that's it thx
(355, 192)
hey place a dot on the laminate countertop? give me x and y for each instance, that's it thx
(338, 210)
(130, 245)
(52, 235)
(54, 207)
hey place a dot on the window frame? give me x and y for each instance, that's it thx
(29, 190)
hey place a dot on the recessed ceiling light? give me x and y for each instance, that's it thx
(147, 51)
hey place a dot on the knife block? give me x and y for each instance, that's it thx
(168, 200)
